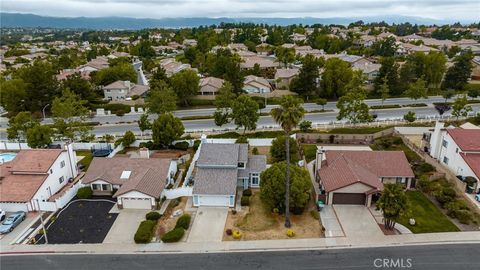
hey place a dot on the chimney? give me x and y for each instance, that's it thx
(144, 152)
(320, 156)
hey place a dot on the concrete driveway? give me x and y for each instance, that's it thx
(358, 223)
(6, 239)
(330, 222)
(208, 224)
(125, 226)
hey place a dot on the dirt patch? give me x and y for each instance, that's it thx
(166, 223)
(388, 232)
(258, 223)
(170, 153)
(262, 150)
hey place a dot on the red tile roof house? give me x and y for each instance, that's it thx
(458, 149)
(33, 176)
(136, 183)
(353, 177)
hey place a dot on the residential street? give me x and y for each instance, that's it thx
(436, 257)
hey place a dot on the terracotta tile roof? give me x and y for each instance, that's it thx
(20, 187)
(473, 161)
(343, 168)
(466, 139)
(34, 160)
(147, 176)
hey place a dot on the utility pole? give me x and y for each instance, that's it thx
(43, 224)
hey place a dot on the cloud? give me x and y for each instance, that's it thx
(435, 9)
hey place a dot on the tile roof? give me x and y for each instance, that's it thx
(215, 181)
(286, 72)
(343, 168)
(147, 175)
(473, 161)
(35, 160)
(466, 139)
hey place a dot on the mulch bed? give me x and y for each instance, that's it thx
(81, 222)
(388, 232)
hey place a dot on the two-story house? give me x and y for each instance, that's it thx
(256, 85)
(220, 169)
(34, 175)
(121, 90)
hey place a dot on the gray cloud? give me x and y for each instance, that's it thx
(435, 9)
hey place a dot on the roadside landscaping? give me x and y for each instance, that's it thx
(309, 151)
(169, 227)
(257, 222)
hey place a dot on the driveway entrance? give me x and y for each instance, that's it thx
(125, 226)
(208, 224)
(357, 222)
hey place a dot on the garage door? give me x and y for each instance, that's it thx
(349, 198)
(137, 203)
(213, 200)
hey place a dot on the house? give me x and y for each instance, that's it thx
(296, 37)
(284, 76)
(34, 175)
(136, 183)
(369, 69)
(355, 177)
(121, 90)
(458, 149)
(209, 86)
(189, 42)
(220, 169)
(96, 64)
(237, 47)
(249, 61)
(253, 84)
(171, 66)
(476, 68)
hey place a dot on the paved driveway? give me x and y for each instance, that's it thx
(125, 226)
(358, 223)
(208, 224)
(330, 222)
(6, 239)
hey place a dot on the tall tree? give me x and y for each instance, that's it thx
(389, 72)
(245, 113)
(353, 108)
(460, 107)
(223, 102)
(39, 136)
(307, 81)
(458, 75)
(166, 129)
(435, 67)
(417, 90)
(122, 71)
(185, 85)
(144, 123)
(161, 99)
(69, 115)
(13, 96)
(285, 55)
(19, 125)
(336, 75)
(80, 87)
(393, 203)
(288, 115)
(384, 90)
(385, 47)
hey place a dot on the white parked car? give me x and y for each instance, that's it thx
(2, 215)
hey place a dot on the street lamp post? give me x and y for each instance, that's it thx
(43, 111)
(43, 224)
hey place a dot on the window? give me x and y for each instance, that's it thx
(241, 165)
(96, 187)
(445, 143)
(60, 180)
(51, 171)
(105, 187)
(456, 150)
(445, 160)
(255, 179)
(62, 164)
(401, 180)
(232, 200)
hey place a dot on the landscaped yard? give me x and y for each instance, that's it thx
(310, 151)
(166, 222)
(87, 158)
(427, 216)
(81, 222)
(256, 222)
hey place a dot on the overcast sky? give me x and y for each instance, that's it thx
(433, 9)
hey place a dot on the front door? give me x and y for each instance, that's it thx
(246, 183)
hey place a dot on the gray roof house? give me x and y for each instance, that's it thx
(220, 169)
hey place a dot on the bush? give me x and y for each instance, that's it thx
(148, 145)
(450, 192)
(229, 232)
(128, 138)
(464, 216)
(315, 214)
(242, 139)
(245, 201)
(442, 198)
(255, 151)
(423, 168)
(183, 221)
(135, 97)
(247, 192)
(153, 216)
(85, 193)
(237, 234)
(181, 146)
(145, 232)
(173, 236)
(196, 144)
(305, 126)
(290, 233)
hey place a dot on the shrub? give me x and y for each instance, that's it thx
(234, 212)
(196, 144)
(442, 198)
(153, 216)
(135, 97)
(315, 214)
(173, 236)
(247, 192)
(464, 216)
(305, 126)
(148, 145)
(85, 193)
(245, 201)
(145, 232)
(128, 138)
(450, 192)
(181, 146)
(423, 168)
(242, 139)
(255, 151)
(237, 234)
(229, 232)
(424, 184)
(183, 221)
(290, 233)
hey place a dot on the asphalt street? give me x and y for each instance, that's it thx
(428, 257)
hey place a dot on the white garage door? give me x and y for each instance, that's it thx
(137, 203)
(213, 200)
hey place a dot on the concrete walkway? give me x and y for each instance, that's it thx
(330, 222)
(165, 204)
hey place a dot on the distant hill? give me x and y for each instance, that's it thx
(31, 20)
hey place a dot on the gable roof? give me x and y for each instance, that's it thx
(473, 161)
(222, 154)
(343, 168)
(215, 181)
(34, 160)
(118, 85)
(466, 139)
(252, 79)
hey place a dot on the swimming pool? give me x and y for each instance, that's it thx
(6, 157)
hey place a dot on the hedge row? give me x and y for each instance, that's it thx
(144, 232)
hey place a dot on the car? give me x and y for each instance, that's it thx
(477, 197)
(12, 221)
(2, 215)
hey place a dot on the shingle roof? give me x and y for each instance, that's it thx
(219, 154)
(466, 139)
(215, 181)
(255, 164)
(286, 72)
(343, 168)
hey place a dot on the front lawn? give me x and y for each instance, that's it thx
(428, 217)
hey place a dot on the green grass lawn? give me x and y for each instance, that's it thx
(428, 217)
(310, 151)
(87, 158)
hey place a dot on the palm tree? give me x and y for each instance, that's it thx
(393, 203)
(288, 115)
